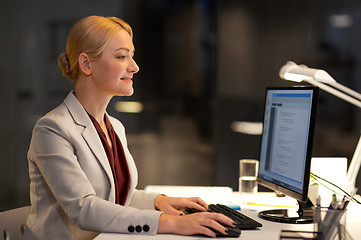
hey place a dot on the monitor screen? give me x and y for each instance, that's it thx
(286, 145)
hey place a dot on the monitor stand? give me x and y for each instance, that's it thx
(303, 215)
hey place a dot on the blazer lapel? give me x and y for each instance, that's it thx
(91, 137)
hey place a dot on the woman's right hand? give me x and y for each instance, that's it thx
(196, 223)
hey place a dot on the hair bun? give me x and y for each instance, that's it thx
(64, 65)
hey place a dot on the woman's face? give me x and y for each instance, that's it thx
(112, 73)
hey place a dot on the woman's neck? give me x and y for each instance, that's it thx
(93, 102)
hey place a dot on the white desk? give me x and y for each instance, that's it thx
(269, 231)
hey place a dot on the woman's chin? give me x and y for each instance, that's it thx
(126, 93)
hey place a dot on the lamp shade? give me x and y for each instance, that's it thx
(298, 73)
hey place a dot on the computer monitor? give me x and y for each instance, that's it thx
(286, 147)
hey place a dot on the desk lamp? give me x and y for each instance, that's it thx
(317, 77)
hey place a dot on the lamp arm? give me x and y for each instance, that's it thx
(346, 89)
(334, 92)
(354, 168)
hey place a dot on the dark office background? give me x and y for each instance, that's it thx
(204, 65)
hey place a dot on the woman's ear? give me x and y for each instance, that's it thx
(84, 64)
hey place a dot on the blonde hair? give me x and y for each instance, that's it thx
(89, 35)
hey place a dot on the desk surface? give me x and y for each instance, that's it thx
(270, 230)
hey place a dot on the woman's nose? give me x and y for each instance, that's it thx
(133, 67)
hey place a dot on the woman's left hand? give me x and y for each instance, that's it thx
(174, 205)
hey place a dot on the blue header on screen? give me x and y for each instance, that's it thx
(292, 95)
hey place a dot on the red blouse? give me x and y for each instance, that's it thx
(117, 160)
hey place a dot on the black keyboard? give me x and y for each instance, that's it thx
(241, 220)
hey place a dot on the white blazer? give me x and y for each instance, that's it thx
(72, 190)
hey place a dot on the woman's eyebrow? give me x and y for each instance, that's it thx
(125, 49)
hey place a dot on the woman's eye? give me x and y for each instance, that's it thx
(121, 57)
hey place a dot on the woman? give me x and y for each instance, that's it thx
(83, 177)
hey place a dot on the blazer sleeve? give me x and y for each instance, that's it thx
(143, 200)
(52, 152)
